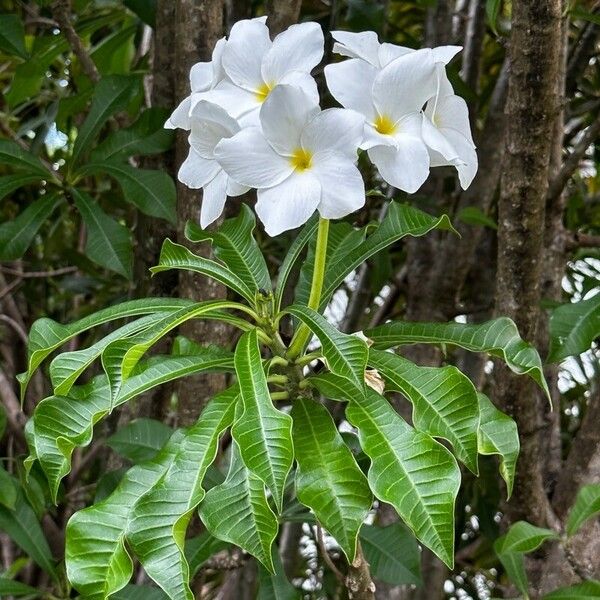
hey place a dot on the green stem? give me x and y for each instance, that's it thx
(303, 332)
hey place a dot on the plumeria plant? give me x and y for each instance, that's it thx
(254, 121)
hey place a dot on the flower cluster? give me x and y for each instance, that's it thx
(255, 122)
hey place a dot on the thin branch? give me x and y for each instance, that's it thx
(15, 416)
(323, 549)
(582, 240)
(16, 326)
(61, 9)
(33, 274)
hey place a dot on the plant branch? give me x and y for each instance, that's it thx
(582, 240)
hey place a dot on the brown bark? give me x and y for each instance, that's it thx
(358, 580)
(282, 14)
(531, 111)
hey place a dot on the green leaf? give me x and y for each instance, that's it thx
(492, 8)
(111, 94)
(8, 489)
(10, 183)
(237, 511)
(573, 328)
(498, 337)
(393, 554)
(12, 36)
(23, 528)
(139, 592)
(175, 256)
(47, 335)
(307, 233)
(410, 471)
(12, 155)
(275, 586)
(345, 355)
(264, 433)
(498, 435)
(472, 215)
(152, 192)
(587, 505)
(140, 439)
(522, 537)
(96, 556)
(60, 423)
(17, 235)
(157, 529)
(8, 587)
(445, 402)
(200, 548)
(400, 221)
(328, 480)
(585, 15)
(588, 590)
(108, 243)
(234, 244)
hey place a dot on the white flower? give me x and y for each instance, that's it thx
(254, 65)
(391, 99)
(301, 160)
(203, 76)
(209, 125)
(447, 133)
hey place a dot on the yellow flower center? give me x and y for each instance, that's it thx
(383, 124)
(301, 159)
(263, 91)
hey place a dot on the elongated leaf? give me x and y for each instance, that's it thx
(97, 560)
(587, 504)
(160, 518)
(400, 221)
(8, 587)
(264, 433)
(8, 489)
(200, 548)
(47, 335)
(175, 256)
(275, 586)
(237, 511)
(573, 328)
(328, 480)
(307, 233)
(445, 402)
(16, 235)
(111, 94)
(10, 183)
(108, 243)
(522, 537)
(392, 553)
(61, 423)
(139, 592)
(498, 337)
(498, 435)
(492, 8)
(140, 439)
(234, 244)
(12, 155)
(579, 12)
(23, 528)
(410, 471)
(12, 36)
(153, 192)
(346, 355)
(588, 590)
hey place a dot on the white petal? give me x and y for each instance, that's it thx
(235, 189)
(363, 45)
(452, 112)
(334, 130)
(210, 124)
(243, 54)
(201, 76)
(405, 84)
(213, 199)
(372, 137)
(436, 140)
(250, 160)
(445, 54)
(342, 186)
(303, 81)
(289, 204)
(406, 166)
(180, 117)
(217, 62)
(390, 52)
(298, 48)
(467, 169)
(283, 116)
(234, 99)
(350, 83)
(196, 171)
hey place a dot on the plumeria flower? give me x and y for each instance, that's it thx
(254, 65)
(209, 124)
(391, 99)
(447, 133)
(300, 160)
(203, 76)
